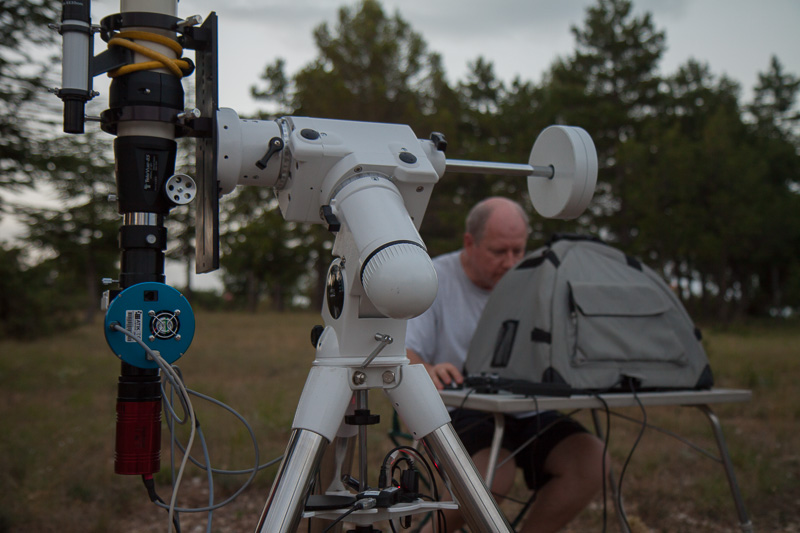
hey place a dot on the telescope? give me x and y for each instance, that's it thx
(368, 183)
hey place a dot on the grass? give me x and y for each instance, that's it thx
(57, 431)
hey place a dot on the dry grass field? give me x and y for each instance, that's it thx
(57, 432)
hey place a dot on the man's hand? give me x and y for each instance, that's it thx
(442, 374)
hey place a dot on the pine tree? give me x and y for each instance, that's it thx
(371, 67)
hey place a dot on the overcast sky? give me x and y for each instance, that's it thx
(521, 37)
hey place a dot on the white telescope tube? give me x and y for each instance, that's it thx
(150, 128)
(396, 272)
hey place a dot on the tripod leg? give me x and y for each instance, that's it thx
(323, 403)
(419, 405)
(465, 483)
(287, 497)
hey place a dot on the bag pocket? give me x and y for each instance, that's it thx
(504, 343)
(621, 322)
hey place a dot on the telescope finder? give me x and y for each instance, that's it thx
(76, 80)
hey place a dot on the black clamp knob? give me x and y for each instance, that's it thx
(439, 141)
(362, 417)
(326, 213)
(316, 333)
(275, 145)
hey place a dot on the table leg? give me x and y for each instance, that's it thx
(744, 521)
(494, 451)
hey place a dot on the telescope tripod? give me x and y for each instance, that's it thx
(324, 402)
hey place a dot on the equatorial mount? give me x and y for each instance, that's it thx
(308, 160)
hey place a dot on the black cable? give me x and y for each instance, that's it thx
(408, 449)
(423, 460)
(630, 454)
(514, 500)
(672, 434)
(315, 482)
(461, 407)
(366, 503)
(606, 439)
(150, 485)
(538, 432)
(396, 466)
(534, 437)
(529, 502)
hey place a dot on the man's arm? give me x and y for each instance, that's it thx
(442, 374)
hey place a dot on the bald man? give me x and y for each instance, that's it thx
(564, 463)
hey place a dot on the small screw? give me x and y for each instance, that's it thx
(194, 20)
(152, 338)
(359, 378)
(388, 377)
(189, 114)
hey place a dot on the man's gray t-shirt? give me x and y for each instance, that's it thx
(442, 334)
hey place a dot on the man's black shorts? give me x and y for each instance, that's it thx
(476, 428)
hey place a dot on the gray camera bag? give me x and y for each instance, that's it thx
(582, 313)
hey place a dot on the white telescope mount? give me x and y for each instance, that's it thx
(370, 183)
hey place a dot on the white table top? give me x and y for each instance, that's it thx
(514, 403)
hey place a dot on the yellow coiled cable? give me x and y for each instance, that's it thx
(159, 60)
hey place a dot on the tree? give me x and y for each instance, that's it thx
(688, 180)
(81, 237)
(372, 68)
(263, 252)
(29, 306)
(776, 120)
(610, 85)
(23, 25)
(60, 272)
(774, 103)
(496, 122)
(713, 206)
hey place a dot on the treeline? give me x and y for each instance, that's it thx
(700, 185)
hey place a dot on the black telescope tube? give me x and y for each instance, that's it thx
(138, 430)
(144, 160)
